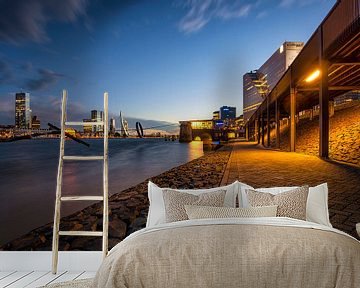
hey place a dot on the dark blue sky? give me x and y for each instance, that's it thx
(162, 60)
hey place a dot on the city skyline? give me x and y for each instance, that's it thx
(162, 61)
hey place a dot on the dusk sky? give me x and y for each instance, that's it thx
(162, 60)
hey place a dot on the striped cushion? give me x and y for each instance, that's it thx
(201, 212)
(175, 201)
(290, 204)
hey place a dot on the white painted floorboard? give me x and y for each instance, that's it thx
(27, 280)
(5, 274)
(46, 279)
(34, 279)
(86, 275)
(30, 269)
(68, 276)
(12, 278)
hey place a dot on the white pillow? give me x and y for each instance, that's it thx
(156, 213)
(316, 207)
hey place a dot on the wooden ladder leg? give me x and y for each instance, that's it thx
(105, 179)
(55, 243)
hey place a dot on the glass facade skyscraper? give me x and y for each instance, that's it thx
(97, 116)
(227, 113)
(112, 126)
(258, 83)
(22, 111)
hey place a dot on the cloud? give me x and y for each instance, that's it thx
(262, 14)
(5, 72)
(45, 78)
(48, 109)
(289, 3)
(27, 19)
(286, 3)
(6, 105)
(201, 12)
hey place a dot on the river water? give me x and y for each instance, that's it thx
(28, 170)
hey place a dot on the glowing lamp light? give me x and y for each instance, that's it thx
(313, 76)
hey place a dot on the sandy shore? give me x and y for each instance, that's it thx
(127, 209)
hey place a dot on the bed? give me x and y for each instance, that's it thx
(234, 251)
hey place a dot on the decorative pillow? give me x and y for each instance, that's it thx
(201, 212)
(175, 202)
(157, 208)
(317, 210)
(290, 204)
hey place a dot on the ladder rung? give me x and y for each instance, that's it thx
(82, 198)
(80, 233)
(84, 123)
(83, 158)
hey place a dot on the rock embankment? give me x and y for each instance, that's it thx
(128, 209)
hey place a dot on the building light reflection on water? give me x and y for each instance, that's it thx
(195, 150)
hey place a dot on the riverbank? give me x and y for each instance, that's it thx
(127, 209)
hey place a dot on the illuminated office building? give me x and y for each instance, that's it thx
(227, 113)
(202, 124)
(88, 129)
(216, 115)
(22, 111)
(97, 116)
(35, 122)
(258, 83)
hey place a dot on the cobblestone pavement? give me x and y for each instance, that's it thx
(259, 167)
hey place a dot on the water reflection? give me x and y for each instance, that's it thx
(28, 175)
(195, 149)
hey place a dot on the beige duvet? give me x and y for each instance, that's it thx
(259, 252)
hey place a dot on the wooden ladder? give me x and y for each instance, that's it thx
(59, 198)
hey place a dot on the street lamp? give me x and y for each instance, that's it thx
(313, 76)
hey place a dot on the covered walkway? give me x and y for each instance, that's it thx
(327, 66)
(259, 167)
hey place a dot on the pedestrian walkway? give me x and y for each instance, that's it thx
(259, 167)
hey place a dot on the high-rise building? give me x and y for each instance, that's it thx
(258, 83)
(22, 111)
(88, 129)
(227, 113)
(112, 126)
(97, 116)
(35, 122)
(216, 115)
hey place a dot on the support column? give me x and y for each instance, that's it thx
(247, 132)
(277, 124)
(262, 130)
(323, 102)
(324, 111)
(185, 131)
(292, 119)
(268, 122)
(258, 132)
(256, 136)
(331, 108)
